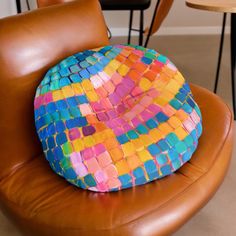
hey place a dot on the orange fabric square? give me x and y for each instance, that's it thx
(111, 143)
(165, 128)
(116, 154)
(139, 66)
(150, 75)
(138, 144)
(68, 91)
(134, 75)
(174, 122)
(92, 119)
(182, 115)
(122, 167)
(133, 57)
(133, 162)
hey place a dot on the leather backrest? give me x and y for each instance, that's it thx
(29, 45)
(45, 3)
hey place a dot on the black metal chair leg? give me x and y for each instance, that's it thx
(130, 25)
(141, 29)
(18, 6)
(152, 22)
(220, 52)
(233, 59)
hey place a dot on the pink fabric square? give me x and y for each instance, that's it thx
(99, 148)
(101, 176)
(81, 170)
(87, 154)
(75, 158)
(92, 165)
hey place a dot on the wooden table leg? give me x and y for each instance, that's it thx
(233, 59)
(220, 52)
(18, 6)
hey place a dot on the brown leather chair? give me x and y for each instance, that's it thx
(161, 11)
(40, 202)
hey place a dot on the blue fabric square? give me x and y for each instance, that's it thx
(151, 124)
(163, 145)
(142, 129)
(89, 180)
(51, 107)
(151, 169)
(161, 159)
(82, 99)
(61, 105)
(125, 180)
(60, 126)
(65, 115)
(166, 170)
(70, 174)
(58, 153)
(161, 117)
(64, 82)
(84, 74)
(173, 154)
(122, 139)
(76, 78)
(61, 138)
(153, 149)
(51, 129)
(132, 134)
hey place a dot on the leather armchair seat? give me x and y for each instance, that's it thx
(41, 203)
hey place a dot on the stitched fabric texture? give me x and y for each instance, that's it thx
(114, 117)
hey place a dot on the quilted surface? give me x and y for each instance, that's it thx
(115, 117)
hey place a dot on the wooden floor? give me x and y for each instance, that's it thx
(195, 57)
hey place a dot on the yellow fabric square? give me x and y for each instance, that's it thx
(182, 115)
(173, 86)
(145, 84)
(146, 140)
(109, 70)
(77, 88)
(123, 70)
(100, 136)
(144, 155)
(92, 96)
(89, 141)
(181, 133)
(128, 149)
(122, 167)
(167, 95)
(68, 91)
(179, 78)
(162, 101)
(78, 145)
(133, 162)
(57, 95)
(116, 154)
(138, 144)
(87, 85)
(114, 64)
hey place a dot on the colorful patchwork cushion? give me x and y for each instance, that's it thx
(115, 117)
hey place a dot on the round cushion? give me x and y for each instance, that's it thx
(115, 117)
